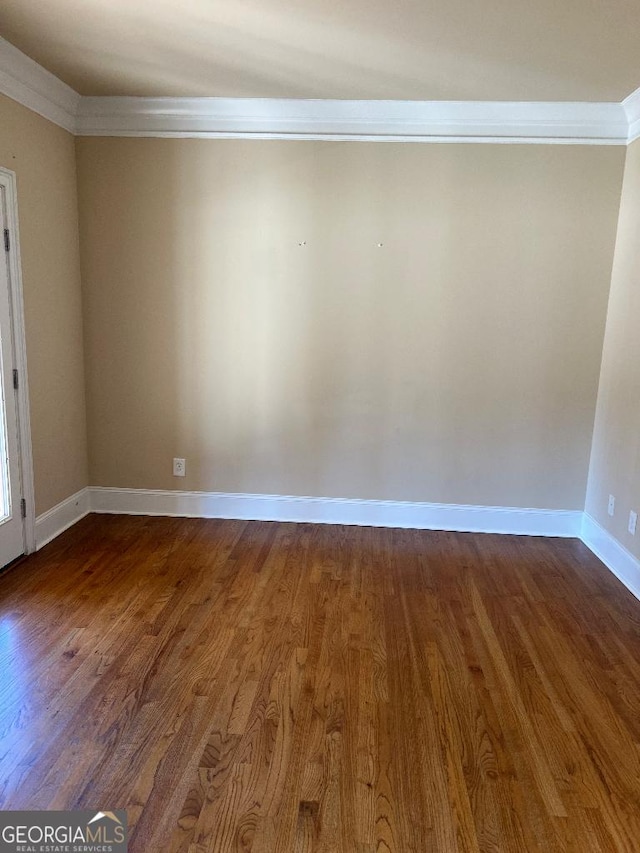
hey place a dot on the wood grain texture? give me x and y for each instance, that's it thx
(246, 686)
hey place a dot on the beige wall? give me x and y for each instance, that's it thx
(42, 155)
(457, 363)
(615, 459)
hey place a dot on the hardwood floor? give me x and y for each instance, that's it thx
(280, 688)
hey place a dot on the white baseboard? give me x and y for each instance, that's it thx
(65, 514)
(368, 513)
(421, 516)
(615, 556)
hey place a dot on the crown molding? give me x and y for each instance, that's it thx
(631, 107)
(34, 87)
(269, 118)
(414, 121)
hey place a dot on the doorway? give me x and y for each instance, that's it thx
(17, 511)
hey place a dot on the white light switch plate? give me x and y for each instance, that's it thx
(633, 520)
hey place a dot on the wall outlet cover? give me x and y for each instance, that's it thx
(179, 467)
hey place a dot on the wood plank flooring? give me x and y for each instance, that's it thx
(280, 688)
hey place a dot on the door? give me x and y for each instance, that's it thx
(12, 528)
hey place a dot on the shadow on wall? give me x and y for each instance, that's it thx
(403, 322)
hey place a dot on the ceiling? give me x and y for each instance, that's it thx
(509, 50)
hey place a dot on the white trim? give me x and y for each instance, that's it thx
(412, 121)
(36, 88)
(337, 137)
(8, 180)
(554, 122)
(631, 107)
(615, 556)
(420, 516)
(366, 513)
(62, 516)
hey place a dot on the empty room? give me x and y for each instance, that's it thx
(319, 427)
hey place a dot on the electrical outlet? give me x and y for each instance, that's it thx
(633, 520)
(612, 505)
(179, 467)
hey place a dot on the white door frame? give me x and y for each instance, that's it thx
(8, 181)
